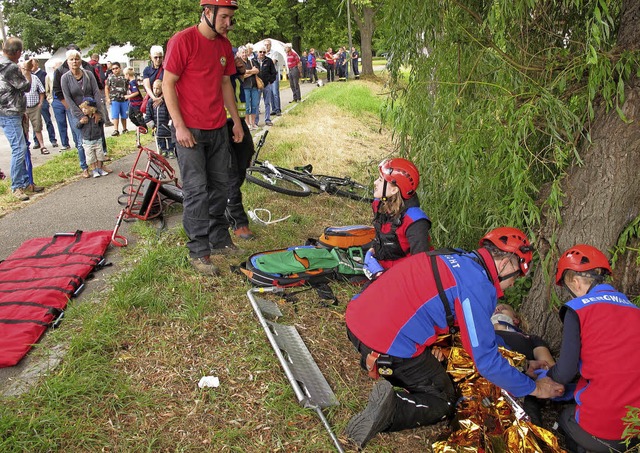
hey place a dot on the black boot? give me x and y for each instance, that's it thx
(377, 416)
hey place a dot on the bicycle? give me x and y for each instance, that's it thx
(301, 180)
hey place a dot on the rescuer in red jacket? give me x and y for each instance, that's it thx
(600, 342)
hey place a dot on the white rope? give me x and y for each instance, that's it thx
(253, 214)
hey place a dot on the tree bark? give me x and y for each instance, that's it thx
(602, 196)
(365, 22)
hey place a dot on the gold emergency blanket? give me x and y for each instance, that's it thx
(487, 421)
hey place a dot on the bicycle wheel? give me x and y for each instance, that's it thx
(346, 187)
(278, 183)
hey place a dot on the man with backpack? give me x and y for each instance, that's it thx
(399, 316)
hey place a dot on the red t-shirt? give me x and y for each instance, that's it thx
(200, 63)
(328, 58)
(292, 59)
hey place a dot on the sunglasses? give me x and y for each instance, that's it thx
(157, 58)
(261, 51)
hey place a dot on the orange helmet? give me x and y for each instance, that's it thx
(402, 173)
(581, 258)
(514, 241)
(224, 3)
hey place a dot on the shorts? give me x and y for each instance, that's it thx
(119, 109)
(93, 151)
(35, 117)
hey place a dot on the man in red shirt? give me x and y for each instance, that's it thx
(293, 66)
(197, 88)
(331, 64)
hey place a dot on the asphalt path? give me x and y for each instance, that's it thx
(83, 204)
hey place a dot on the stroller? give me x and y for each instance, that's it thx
(152, 187)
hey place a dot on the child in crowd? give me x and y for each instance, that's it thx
(91, 127)
(133, 93)
(159, 118)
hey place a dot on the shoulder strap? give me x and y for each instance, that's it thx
(436, 276)
(443, 296)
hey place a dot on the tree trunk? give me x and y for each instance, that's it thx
(365, 21)
(602, 196)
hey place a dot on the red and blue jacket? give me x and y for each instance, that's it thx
(609, 360)
(397, 238)
(401, 312)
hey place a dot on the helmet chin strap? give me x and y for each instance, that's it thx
(384, 191)
(573, 295)
(212, 26)
(502, 278)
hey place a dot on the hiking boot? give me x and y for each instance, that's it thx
(20, 195)
(244, 232)
(34, 189)
(377, 416)
(204, 265)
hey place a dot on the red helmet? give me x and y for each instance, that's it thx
(224, 3)
(581, 258)
(402, 173)
(514, 241)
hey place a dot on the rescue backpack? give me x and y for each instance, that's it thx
(304, 265)
(345, 237)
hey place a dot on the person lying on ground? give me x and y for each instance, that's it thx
(508, 327)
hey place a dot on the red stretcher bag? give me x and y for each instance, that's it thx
(37, 281)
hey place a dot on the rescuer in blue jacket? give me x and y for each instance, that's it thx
(398, 317)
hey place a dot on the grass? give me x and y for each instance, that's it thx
(136, 351)
(62, 168)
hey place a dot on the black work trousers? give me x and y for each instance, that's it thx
(428, 395)
(241, 154)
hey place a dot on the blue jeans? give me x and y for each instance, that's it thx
(268, 102)
(46, 116)
(252, 101)
(205, 174)
(275, 90)
(12, 127)
(60, 112)
(77, 139)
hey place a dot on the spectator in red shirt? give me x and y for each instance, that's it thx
(293, 66)
(331, 64)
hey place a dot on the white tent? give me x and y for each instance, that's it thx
(115, 53)
(278, 48)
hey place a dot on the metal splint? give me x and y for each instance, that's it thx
(306, 379)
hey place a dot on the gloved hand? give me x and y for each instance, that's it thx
(569, 389)
(371, 266)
